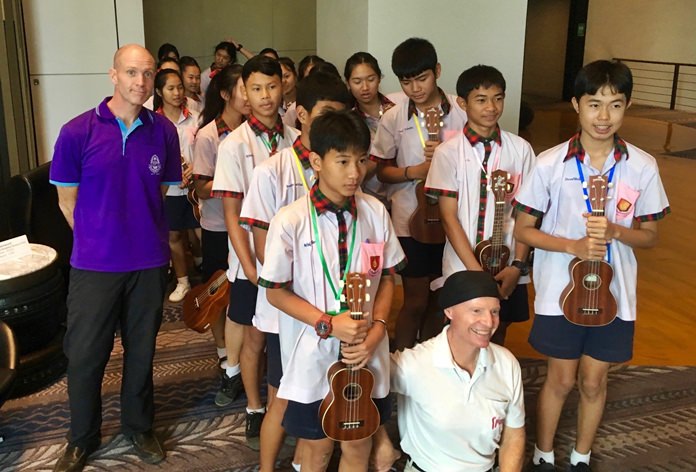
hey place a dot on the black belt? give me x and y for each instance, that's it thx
(415, 466)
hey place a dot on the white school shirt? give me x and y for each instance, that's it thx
(451, 421)
(238, 154)
(456, 171)
(205, 151)
(186, 129)
(397, 138)
(292, 261)
(553, 191)
(275, 183)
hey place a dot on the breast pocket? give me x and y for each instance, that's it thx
(496, 411)
(626, 198)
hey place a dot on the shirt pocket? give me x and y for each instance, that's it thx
(626, 198)
(496, 411)
(371, 264)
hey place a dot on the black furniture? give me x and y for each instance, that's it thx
(8, 362)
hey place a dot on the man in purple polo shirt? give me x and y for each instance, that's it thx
(112, 166)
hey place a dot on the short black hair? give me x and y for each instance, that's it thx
(164, 60)
(361, 58)
(413, 57)
(597, 74)
(340, 131)
(289, 64)
(230, 48)
(188, 61)
(272, 51)
(263, 64)
(165, 49)
(320, 86)
(479, 76)
(305, 63)
(160, 81)
(325, 68)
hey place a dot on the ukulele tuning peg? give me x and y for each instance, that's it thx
(368, 282)
(367, 297)
(585, 197)
(584, 185)
(610, 185)
(343, 298)
(341, 283)
(421, 114)
(442, 124)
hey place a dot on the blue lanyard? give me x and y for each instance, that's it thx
(587, 196)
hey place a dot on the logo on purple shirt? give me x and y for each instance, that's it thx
(155, 165)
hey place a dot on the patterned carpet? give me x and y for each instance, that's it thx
(649, 424)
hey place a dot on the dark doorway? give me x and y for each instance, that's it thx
(575, 45)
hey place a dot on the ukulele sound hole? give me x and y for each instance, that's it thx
(352, 392)
(591, 281)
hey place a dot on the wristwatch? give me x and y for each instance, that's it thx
(522, 266)
(239, 46)
(323, 326)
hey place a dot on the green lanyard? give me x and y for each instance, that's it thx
(269, 143)
(317, 237)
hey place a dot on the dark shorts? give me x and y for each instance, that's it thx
(179, 213)
(516, 308)
(557, 337)
(214, 250)
(242, 302)
(274, 368)
(424, 260)
(302, 419)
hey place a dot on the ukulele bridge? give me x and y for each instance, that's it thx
(351, 424)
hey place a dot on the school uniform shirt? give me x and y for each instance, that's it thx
(196, 106)
(457, 170)
(205, 152)
(449, 420)
(398, 141)
(292, 261)
(245, 148)
(554, 190)
(275, 183)
(186, 129)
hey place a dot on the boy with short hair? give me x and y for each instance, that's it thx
(461, 178)
(403, 151)
(275, 183)
(262, 135)
(191, 76)
(311, 245)
(557, 190)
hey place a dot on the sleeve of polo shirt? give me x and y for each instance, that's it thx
(399, 371)
(204, 156)
(652, 204)
(66, 166)
(534, 195)
(384, 143)
(442, 176)
(393, 253)
(228, 171)
(279, 258)
(187, 140)
(172, 170)
(260, 200)
(515, 414)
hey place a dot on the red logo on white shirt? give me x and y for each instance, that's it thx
(495, 422)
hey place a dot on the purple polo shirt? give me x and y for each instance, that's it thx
(120, 224)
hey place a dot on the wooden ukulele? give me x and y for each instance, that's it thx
(587, 300)
(203, 303)
(493, 254)
(425, 224)
(348, 412)
(191, 195)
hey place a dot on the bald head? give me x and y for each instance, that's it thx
(133, 52)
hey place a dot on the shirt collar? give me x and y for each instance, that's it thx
(185, 113)
(323, 204)
(475, 138)
(384, 102)
(442, 355)
(575, 148)
(103, 111)
(444, 104)
(222, 128)
(259, 128)
(302, 153)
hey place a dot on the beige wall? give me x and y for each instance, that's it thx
(195, 28)
(464, 34)
(545, 47)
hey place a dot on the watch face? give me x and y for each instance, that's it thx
(322, 328)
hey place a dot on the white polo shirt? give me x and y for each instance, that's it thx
(554, 191)
(238, 154)
(186, 127)
(292, 261)
(275, 183)
(455, 171)
(449, 420)
(205, 151)
(398, 138)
